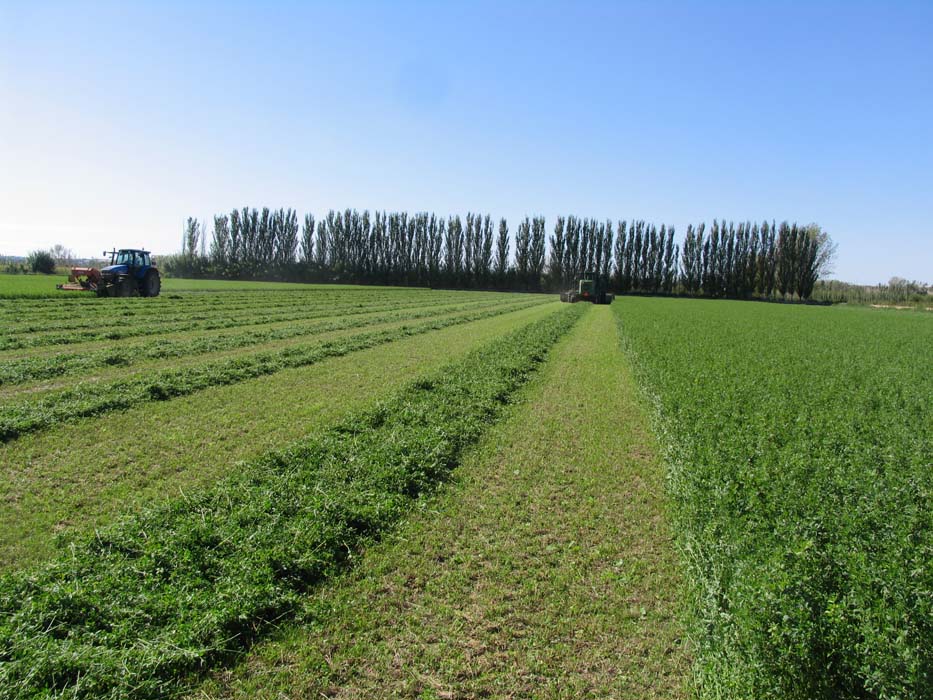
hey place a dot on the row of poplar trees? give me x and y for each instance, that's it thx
(723, 260)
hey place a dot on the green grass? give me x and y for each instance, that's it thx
(23, 370)
(178, 284)
(141, 319)
(78, 476)
(15, 286)
(802, 472)
(19, 286)
(132, 609)
(28, 415)
(798, 489)
(547, 569)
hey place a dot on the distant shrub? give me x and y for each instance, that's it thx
(41, 261)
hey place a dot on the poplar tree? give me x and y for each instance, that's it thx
(631, 248)
(192, 236)
(502, 252)
(770, 264)
(598, 235)
(377, 246)
(220, 245)
(619, 254)
(728, 266)
(469, 246)
(751, 264)
(523, 251)
(670, 262)
(657, 258)
(637, 252)
(435, 246)
(586, 253)
(786, 250)
(420, 251)
(307, 240)
(365, 260)
(808, 255)
(322, 249)
(411, 226)
(572, 249)
(285, 239)
(537, 250)
(606, 270)
(556, 258)
(453, 258)
(646, 271)
(485, 252)
(688, 253)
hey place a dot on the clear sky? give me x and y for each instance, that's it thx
(118, 120)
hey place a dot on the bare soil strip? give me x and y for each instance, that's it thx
(547, 570)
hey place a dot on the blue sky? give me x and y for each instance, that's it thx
(119, 120)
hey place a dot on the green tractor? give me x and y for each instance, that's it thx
(590, 287)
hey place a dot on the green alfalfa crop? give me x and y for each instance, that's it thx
(801, 473)
(164, 594)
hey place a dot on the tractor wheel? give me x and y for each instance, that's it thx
(151, 284)
(125, 287)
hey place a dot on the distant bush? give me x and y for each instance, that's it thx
(896, 291)
(41, 261)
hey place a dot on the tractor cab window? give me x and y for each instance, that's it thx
(144, 259)
(126, 257)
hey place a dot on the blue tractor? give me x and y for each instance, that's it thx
(130, 273)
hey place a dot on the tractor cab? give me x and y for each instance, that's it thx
(586, 288)
(128, 261)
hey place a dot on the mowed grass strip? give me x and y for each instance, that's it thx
(27, 416)
(547, 570)
(210, 319)
(177, 588)
(218, 321)
(15, 287)
(38, 391)
(26, 369)
(75, 477)
(52, 315)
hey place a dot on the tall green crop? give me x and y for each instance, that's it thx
(801, 449)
